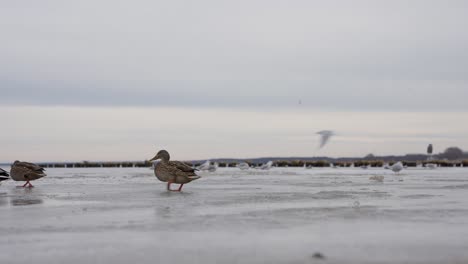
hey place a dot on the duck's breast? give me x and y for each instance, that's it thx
(18, 173)
(161, 172)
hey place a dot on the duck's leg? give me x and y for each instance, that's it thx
(169, 186)
(27, 184)
(180, 187)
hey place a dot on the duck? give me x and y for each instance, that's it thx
(25, 171)
(4, 175)
(173, 171)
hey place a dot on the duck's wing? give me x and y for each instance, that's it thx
(30, 166)
(182, 166)
(180, 169)
(3, 175)
(3, 172)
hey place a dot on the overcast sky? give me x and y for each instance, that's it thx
(175, 66)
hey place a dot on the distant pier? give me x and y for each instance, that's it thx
(276, 163)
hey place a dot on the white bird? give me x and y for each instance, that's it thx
(267, 165)
(243, 166)
(207, 166)
(325, 136)
(397, 167)
(204, 166)
(213, 167)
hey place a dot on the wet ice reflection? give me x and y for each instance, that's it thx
(234, 216)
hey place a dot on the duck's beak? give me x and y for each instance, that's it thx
(154, 158)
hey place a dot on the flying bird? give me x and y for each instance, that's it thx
(173, 171)
(325, 136)
(25, 171)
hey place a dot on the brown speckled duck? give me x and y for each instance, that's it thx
(25, 171)
(173, 171)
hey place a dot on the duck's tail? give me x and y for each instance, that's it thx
(4, 178)
(192, 178)
(3, 172)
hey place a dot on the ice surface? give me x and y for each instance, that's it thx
(125, 215)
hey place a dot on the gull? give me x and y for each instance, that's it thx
(325, 136)
(204, 166)
(243, 166)
(207, 166)
(213, 167)
(173, 171)
(267, 165)
(397, 167)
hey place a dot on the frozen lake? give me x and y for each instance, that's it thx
(231, 216)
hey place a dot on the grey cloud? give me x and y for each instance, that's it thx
(369, 55)
(383, 95)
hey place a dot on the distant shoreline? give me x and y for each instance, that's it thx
(317, 162)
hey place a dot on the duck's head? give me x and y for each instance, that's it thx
(163, 155)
